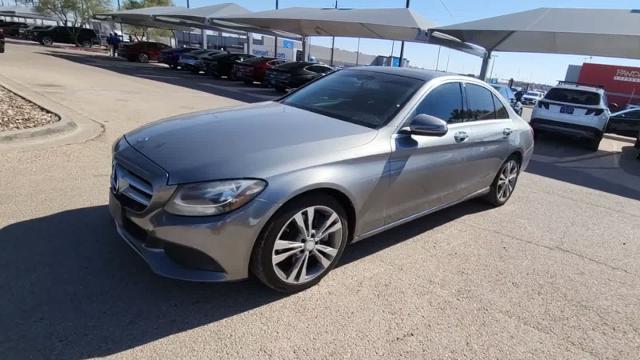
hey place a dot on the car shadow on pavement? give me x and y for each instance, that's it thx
(231, 89)
(565, 159)
(72, 289)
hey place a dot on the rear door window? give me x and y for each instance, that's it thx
(573, 96)
(501, 110)
(444, 102)
(480, 104)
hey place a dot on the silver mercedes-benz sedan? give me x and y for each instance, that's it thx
(278, 189)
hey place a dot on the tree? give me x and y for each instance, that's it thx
(74, 14)
(140, 4)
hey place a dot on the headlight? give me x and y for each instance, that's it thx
(213, 198)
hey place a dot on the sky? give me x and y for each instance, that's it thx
(541, 68)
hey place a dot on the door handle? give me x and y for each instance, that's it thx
(507, 131)
(460, 136)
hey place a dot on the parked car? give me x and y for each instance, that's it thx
(253, 70)
(64, 35)
(27, 32)
(142, 51)
(202, 62)
(575, 110)
(171, 56)
(278, 189)
(506, 92)
(531, 97)
(1, 41)
(625, 123)
(222, 64)
(295, 74)
(12, 28)
(189, 60)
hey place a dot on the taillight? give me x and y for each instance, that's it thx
(596, 112)
(542, 104)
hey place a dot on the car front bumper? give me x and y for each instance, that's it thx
(207, 248)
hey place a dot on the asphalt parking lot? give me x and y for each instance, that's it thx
(554, 274)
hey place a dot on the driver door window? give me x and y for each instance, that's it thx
(444, 102)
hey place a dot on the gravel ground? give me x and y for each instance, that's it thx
(17, 113)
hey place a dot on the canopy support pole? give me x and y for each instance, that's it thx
(487, 57)
(304, 49)
(485, 65)
(204, 38)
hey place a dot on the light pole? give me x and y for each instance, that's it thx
(275, 38)
(402, 43)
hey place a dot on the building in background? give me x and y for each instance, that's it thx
(622, 83)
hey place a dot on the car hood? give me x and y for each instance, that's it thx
(253, 141)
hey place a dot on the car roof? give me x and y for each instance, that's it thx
(580, 87)
(422, 74)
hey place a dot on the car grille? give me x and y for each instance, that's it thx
(132, 190)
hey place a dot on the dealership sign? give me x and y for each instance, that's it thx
(627, 75)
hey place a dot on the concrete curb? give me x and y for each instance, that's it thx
(72, 127)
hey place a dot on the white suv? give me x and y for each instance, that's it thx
(575, 110)
(531, 97)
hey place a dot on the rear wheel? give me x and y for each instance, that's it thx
(86, 44)
(143, 58)
(46, 41)
(301, 243)
(505, 182)
(594, 144)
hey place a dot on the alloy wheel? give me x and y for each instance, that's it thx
(507, 180)
(307, 244)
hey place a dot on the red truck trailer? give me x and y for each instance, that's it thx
(622, 83)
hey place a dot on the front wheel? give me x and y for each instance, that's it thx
(504, 183)
(301, 243)
(143, 58)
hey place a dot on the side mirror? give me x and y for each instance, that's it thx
(426, 125)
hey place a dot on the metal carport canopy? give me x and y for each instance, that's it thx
(24, 12)
(593, 32)
(388, 24)
(143, 17)
(201, 18)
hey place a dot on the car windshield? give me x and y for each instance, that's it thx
(579, 97)
(361, 97)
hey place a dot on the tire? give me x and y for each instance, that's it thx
(173, 67)
(143, 58)
(594, 144)
(195, 71)
(248, 82)
(297, 264)
(86, 44)
(497, 195)
(46, 41)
